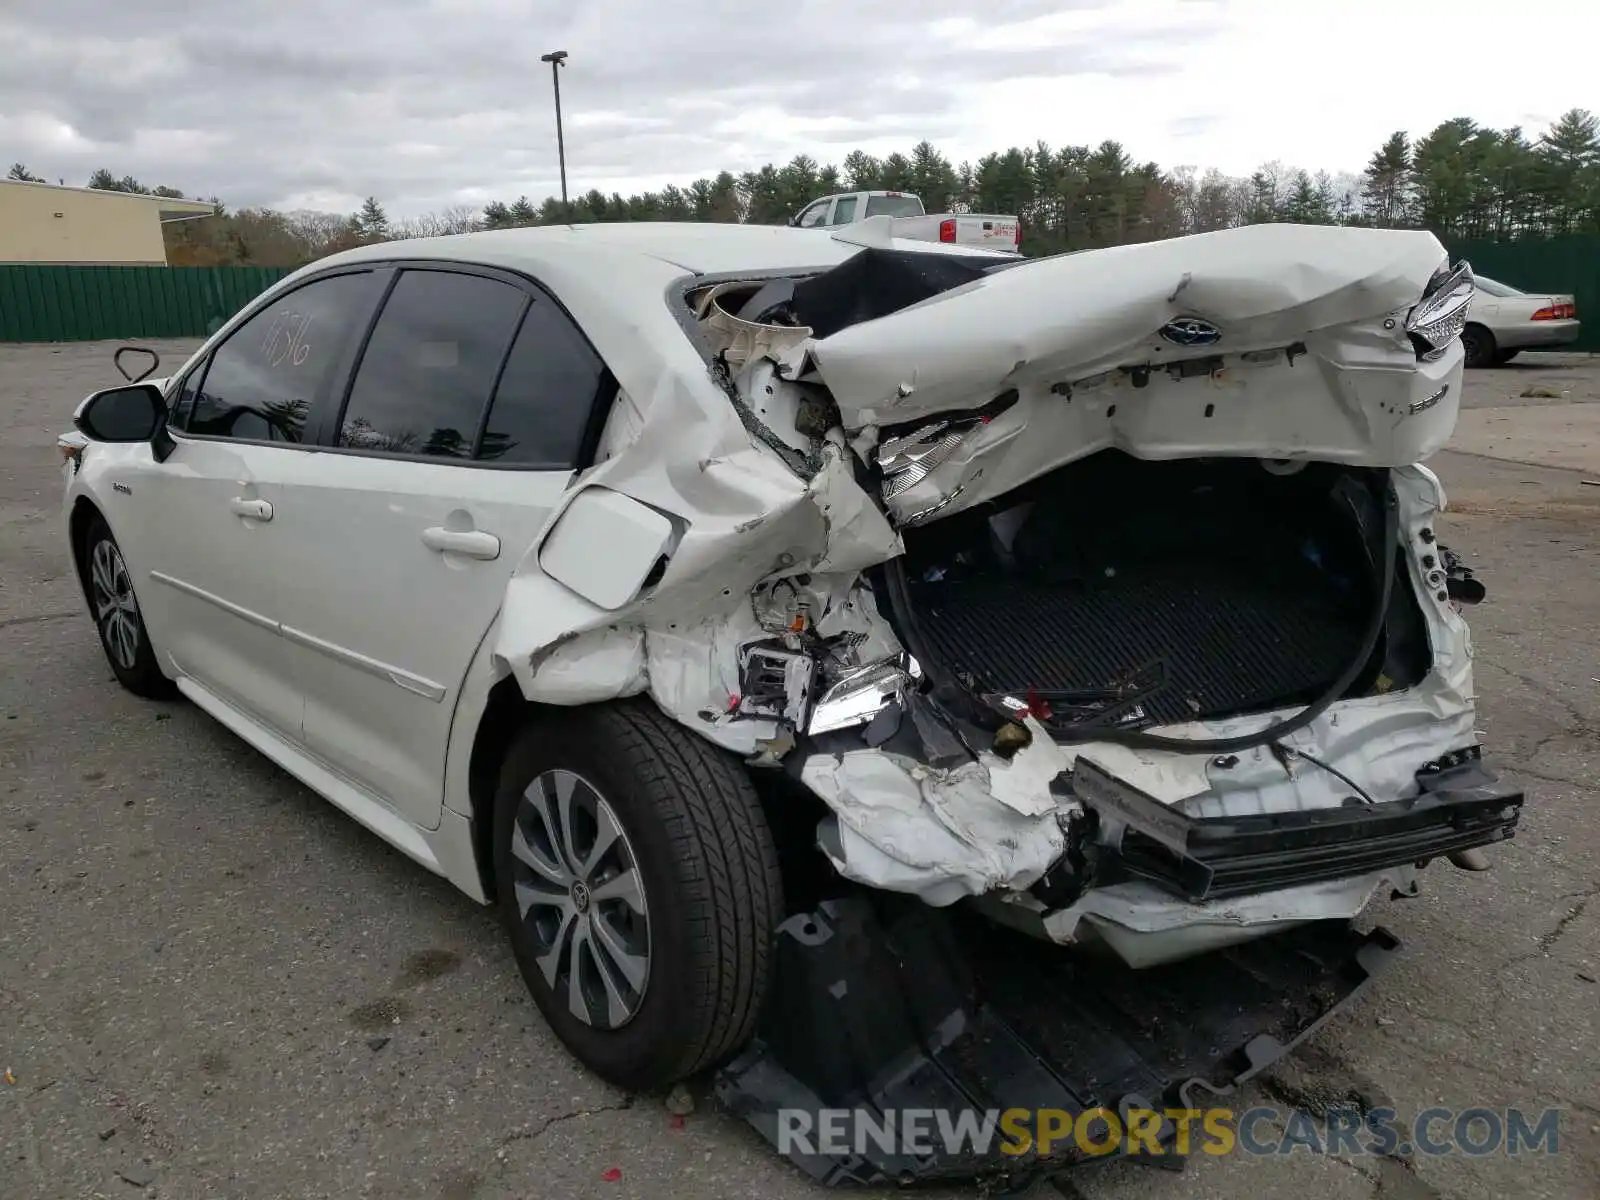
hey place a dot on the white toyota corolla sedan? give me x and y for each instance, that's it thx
(619, 574)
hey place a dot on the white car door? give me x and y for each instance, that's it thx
(210, 551)
(473, 400)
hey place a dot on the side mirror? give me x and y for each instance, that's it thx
(131, 413)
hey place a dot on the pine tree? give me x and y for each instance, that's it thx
(1385, 184)
(371, 224)
(862, 172)
(1568, 155)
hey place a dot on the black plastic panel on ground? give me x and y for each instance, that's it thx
(917, 1010)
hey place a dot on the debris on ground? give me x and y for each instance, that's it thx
(1540, 391)
(680, 1101)
(138, 1174)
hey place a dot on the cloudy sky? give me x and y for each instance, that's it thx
(428, 103)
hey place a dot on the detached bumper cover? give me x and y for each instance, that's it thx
(1458, 808)
(888, 1015)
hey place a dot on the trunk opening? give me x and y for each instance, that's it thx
(1116, 594)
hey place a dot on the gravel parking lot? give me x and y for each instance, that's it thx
(214, 984)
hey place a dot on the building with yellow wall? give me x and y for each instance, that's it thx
(44, 223)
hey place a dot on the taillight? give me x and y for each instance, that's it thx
(947, 230)
(1440, 316)
(1556, 312)
(1018, 242)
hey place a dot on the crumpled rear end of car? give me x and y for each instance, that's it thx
(1103, 590)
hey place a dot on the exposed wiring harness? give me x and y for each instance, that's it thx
(1285, 754)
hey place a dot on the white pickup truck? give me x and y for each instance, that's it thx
(911, 220)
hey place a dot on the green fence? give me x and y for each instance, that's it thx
(75, 304)
(1568, 264)
(70, 304)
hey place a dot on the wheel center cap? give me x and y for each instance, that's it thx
(580, 897)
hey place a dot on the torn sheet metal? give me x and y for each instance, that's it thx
(587, 668)
(700, 664)
(1146, 926)
(744, 516)
(943, 834)
(742, 341)
(1271, 341)
(1065, 317)
(788, 640)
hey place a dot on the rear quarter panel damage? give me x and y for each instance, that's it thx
(746, 520)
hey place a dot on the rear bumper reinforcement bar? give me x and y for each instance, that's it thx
(1458, 808)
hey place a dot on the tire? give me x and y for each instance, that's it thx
(690, 836)
(1502, 357)
(117, 617)
(1478, 343)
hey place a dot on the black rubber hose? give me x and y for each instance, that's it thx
(1134, 740)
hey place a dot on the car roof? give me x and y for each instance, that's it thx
(614, 280)
(696, 247)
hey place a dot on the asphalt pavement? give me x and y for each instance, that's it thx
(213, 984)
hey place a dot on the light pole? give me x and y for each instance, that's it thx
(557, 59)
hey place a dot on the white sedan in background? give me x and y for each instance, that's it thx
(1506, 321)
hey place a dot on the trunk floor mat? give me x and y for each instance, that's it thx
(1197, 643)
(881, 1009)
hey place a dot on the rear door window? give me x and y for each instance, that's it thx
(542, 407)
(431, 365)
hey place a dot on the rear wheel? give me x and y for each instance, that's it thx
(1502, 357)
(1478, 343)
(639, 884)
(117, 618)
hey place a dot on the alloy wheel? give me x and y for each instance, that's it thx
(580, 895)
(115, 609)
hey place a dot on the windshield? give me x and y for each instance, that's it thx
(1495, 288)
(894, 206)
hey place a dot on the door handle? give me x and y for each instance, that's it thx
(254, 510)
(470, 543)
